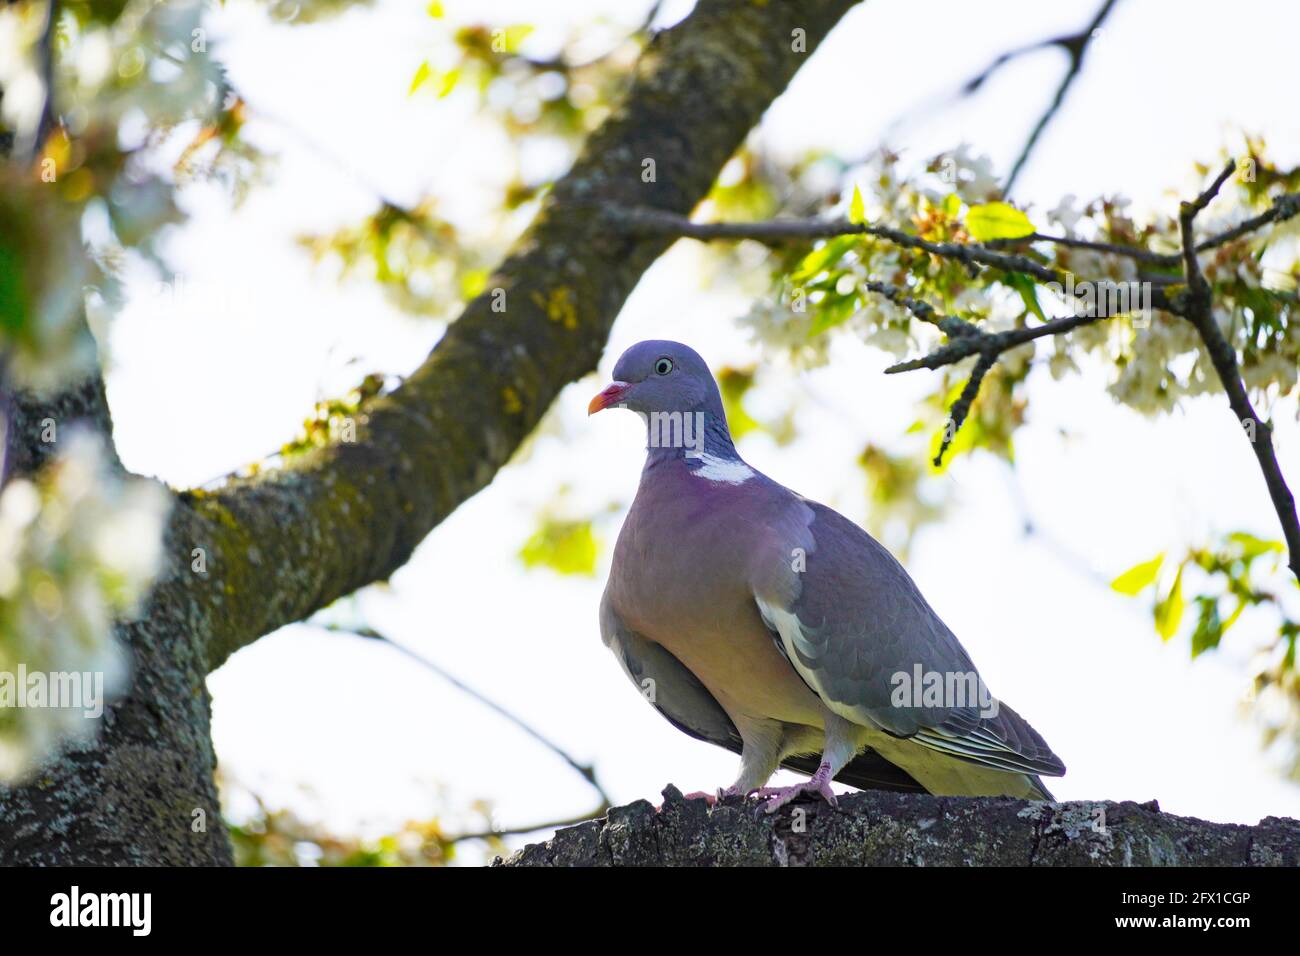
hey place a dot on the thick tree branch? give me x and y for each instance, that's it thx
(1198, 309)
(142, 792)
(290, 540)
(908, 829)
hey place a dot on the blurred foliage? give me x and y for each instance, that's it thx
(310, 11)
(135, 85)
(555, 92)
(820, 288)
(79, 547)
(903, 496)
(1218, 584)
(734, 383)
(421, 262)
(269, 836)
(564, 546)
(545, 97)
(337, 419)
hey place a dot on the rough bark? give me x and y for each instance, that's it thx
(906, 829)
(296, 537)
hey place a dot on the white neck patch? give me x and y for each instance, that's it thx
(730, 472)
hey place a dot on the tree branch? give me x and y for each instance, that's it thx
(961, 408)
(45, 51)
(1076, 47)
(656, 222)
(1198, 309)
(284, 543)
(877, 828)
(966, 339)
(586, 771)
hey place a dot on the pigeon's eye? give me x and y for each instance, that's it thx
(663, 366)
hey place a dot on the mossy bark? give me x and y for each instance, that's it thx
(907, 829)
(284, 543)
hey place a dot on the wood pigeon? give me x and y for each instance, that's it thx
(773, 626)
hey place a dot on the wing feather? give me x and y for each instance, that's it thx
(851, 621)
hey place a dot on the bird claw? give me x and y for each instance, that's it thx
(777, 797)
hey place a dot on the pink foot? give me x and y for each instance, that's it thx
(819, 783)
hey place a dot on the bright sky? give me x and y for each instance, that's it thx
(223, 369)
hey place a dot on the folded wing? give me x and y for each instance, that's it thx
(852, 623)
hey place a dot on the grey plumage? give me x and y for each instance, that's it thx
(771, 625)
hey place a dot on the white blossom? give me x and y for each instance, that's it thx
(79, 547)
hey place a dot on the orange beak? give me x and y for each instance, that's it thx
(612, 395)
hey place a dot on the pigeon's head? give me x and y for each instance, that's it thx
(660, 376)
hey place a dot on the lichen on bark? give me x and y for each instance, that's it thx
(907, 829)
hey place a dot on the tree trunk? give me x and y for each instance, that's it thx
(907, 829)
(319, 525)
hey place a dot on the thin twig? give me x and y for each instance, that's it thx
(587, 772)
(951, 325)
(45, 52)
(961, 408)
(1284, 207)
(1197, 309)
(1130, 252)
(1076, 47)
(529, 828)
(996, 342)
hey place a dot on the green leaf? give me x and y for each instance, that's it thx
(734, 383)
(1139, 576)
(516, 35)
(1169, 610)
(15, 305)
(1209, 628)
(421, 77)
(1251, 546)
(1028, 292)
(857, 208)
(449, 81)
(822, 258)
(832, 311)
(998, 220)
(1236, 613)
(568, 547)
